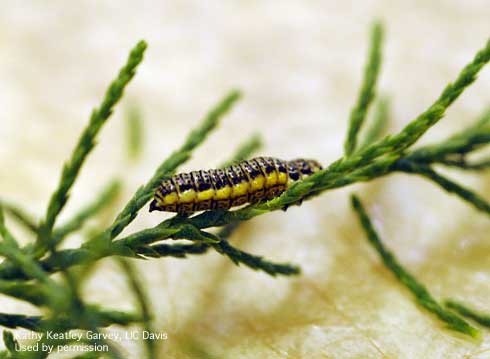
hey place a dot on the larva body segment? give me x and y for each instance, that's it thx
(249, 181)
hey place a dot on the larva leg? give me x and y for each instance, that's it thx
(297, 203)
(222, 204)
(185, 208)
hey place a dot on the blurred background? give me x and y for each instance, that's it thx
(299, 65)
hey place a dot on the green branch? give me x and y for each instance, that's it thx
(188, 231)
(470, 139)
(374, 160)
(10, 343)
(417, 127)
(86, 142)
(15, 321)
(38, 324)
(137, 246)
(480, 318)
(102, 200)
(10, 249)
(179, 250)
(253, 261)
(448, 185)
(378, 123)
(143, 303)
(100, 246)
(461, 163)
(367, 92)
(29, 292)
(422, 295)
(24, 218)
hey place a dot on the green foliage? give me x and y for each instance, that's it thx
(367, 92)
(253, 261)
(37, 323)
(453, 150)
(422, 295)
(10, 343)
(143, 304)
(10, 250)
(450, 186)
(378, 123)
(67, 308)
(24, 218)
(102, 200)
(14, 321)
(86, 142)
(28, 292)
(60, 296)
(480, 318)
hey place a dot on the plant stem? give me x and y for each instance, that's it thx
(367, 92)
(480, 318)
(422, 295)
(450, 186)
(86, 142)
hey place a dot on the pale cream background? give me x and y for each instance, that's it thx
(299, 65)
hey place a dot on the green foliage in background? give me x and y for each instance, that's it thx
(26, 273)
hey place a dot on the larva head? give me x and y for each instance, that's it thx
(154, 206)
(306, 166)
(165, 198)
(314, 165)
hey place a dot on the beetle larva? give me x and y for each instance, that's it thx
(249, 181)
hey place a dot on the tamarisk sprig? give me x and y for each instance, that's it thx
(422, 295)
(464, 310)
(367, 91)
(369, 162)
(86, 142)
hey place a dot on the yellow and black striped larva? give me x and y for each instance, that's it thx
(249, 181)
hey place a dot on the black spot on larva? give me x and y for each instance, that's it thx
(201, 179)
(266, 166)
(240, 175)
(303, 166)
(218, 178)
(235, 174)
(280, 165)
(206, 177)
(254, 163)
(293, 171)
(249, 170)
(165, 188)
(269, 165)
(184, 182)
(204, 187)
